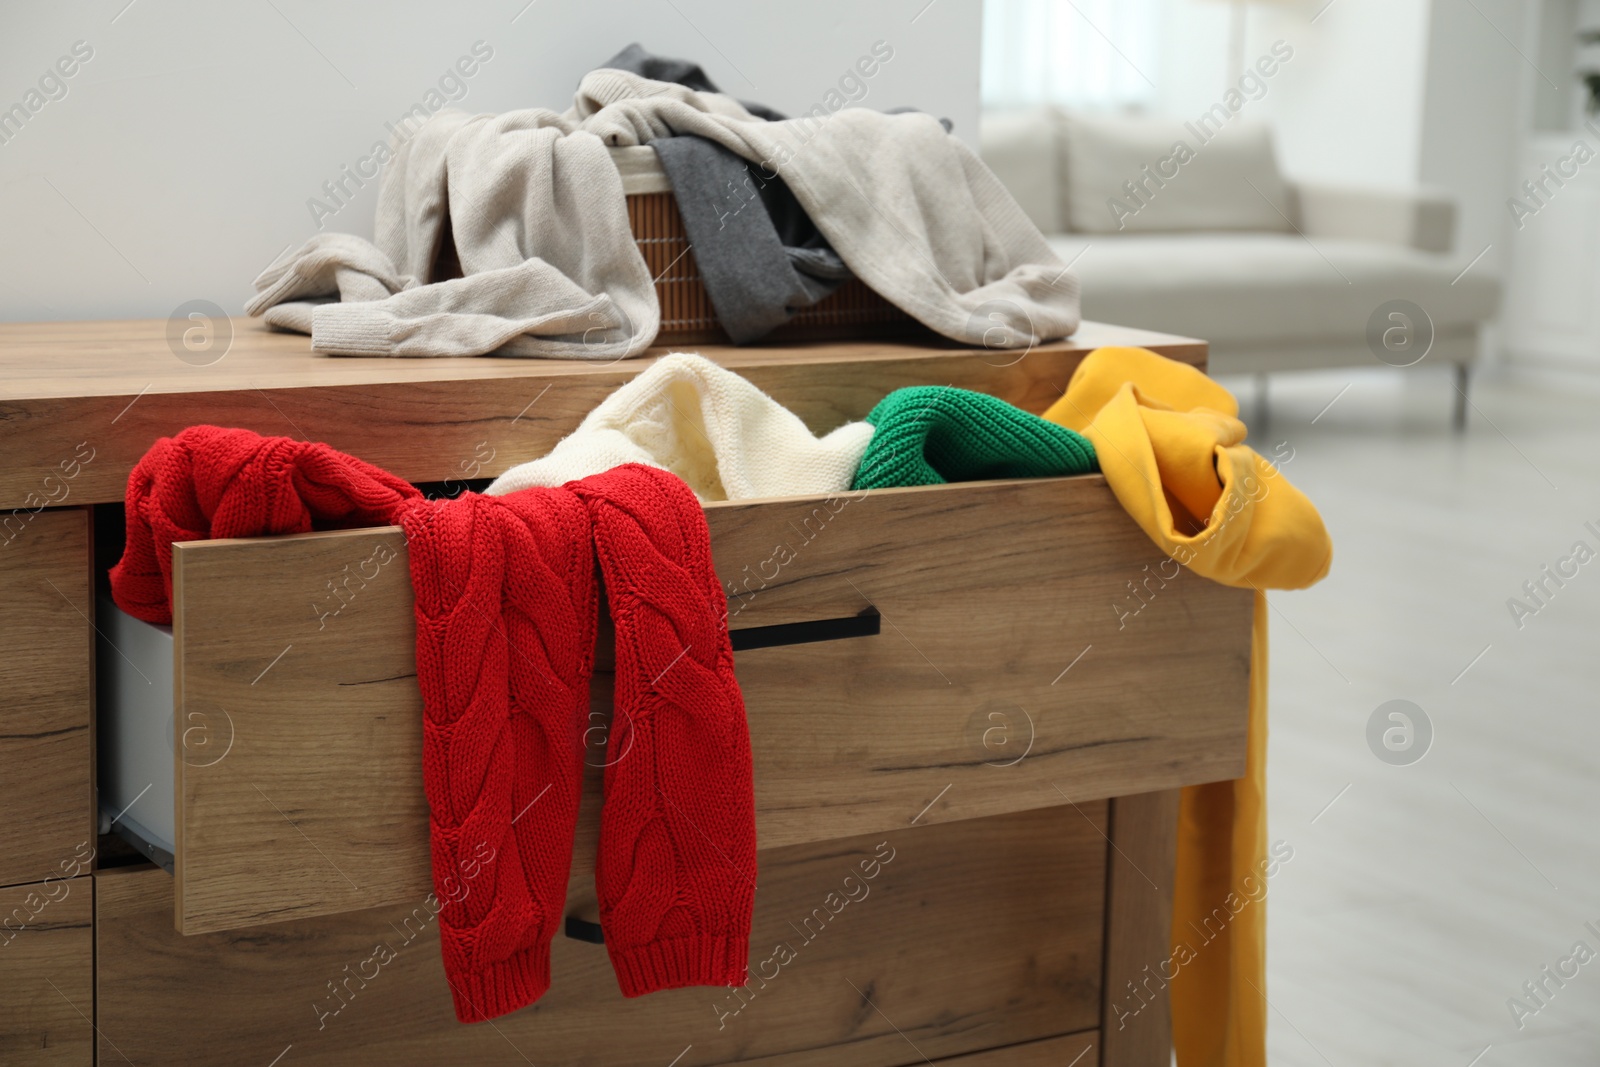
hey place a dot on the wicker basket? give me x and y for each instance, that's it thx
(687, 317)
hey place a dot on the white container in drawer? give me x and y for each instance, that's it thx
(135, 741)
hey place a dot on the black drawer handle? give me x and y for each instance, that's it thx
(583, 930)
(867, 624)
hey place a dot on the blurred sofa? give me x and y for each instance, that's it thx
(1194, 230)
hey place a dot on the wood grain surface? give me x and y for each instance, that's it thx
(1073, 1050)
(119, 386)
(45, 676)
(1003, 679)
(47, 974)
(972, 935)
(1137, 1026)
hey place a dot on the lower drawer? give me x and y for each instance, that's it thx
(47, 974)
(952, 939)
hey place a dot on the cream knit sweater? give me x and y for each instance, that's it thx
(533, 209)
(719, 433)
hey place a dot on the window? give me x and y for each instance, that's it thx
(1078, 53)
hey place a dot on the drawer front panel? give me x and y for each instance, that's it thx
(46, 676)
(1007, 675)
(867, 979)
(47, 974)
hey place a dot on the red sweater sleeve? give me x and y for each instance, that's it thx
(505, 609)
(677, 863)
(209, 482)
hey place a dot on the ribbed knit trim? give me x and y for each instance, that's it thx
(704, 959)
(356, 329)
(606, 86)
(502, 987)
(929, 434)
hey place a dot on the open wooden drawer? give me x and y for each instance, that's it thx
(1007, 673)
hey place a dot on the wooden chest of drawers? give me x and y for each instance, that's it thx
(992, 730)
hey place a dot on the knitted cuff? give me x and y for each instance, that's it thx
(704, 959)
(355, 329)
(502, 987)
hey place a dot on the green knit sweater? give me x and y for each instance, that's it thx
(930, 434)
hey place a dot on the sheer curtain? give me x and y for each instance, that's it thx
(1081, 53)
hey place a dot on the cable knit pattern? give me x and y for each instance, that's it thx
(210, 482)
(930, 434)
(677, 864)
(505, 609)
(506, 604)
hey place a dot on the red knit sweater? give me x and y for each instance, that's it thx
(208, 482)
(506, 604)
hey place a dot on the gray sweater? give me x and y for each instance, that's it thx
(534, 210)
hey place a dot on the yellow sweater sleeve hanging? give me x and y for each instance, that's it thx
(1171, 447)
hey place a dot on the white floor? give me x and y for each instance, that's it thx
(1422, 897)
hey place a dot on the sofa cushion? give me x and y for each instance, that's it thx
(1186, 178)
(1256, 288)
(1020, 147)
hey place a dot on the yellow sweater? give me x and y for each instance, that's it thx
(1171, 446)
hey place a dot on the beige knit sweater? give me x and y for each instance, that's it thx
(533, 208)
(534, 212)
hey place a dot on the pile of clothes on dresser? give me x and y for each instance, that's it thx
(509, 233)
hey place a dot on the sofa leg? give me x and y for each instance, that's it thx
(1261, 402)
(1459, 421)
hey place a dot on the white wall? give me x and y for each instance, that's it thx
(1194, 56)
(1473, 114)
(1393, 93)
(181, 159)
(1348, 106)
